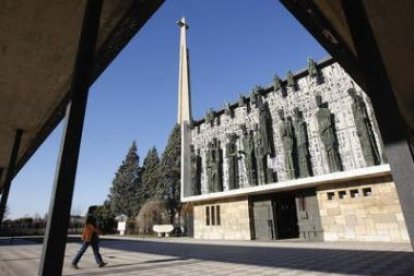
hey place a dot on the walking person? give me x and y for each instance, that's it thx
(90, 236)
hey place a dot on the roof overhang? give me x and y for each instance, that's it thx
(392, 23)
(296, 184)
(38, 46)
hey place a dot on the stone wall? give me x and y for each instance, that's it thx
(362, 210)
(332, 84)
(234, 220)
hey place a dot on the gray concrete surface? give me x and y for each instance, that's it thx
(184, 257)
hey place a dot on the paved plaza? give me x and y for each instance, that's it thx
(183, 257)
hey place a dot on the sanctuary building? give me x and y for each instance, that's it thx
(299, 158)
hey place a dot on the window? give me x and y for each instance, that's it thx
(342, 194)
(331, 195)
(354, 193)
(367, 191)
(213, 216)
(208, 215)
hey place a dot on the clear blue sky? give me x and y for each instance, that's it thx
(234, 44)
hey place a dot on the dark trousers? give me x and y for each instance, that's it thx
(95, 248)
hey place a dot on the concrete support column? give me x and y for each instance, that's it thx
(9, 174)
(59, 210)
(390, 121)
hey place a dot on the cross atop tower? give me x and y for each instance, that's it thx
(182, 23)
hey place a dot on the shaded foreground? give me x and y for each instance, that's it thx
(192, 257)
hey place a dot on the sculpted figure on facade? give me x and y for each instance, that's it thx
(242, 100)
(277, 86)
(232, 162)
(327, 135)
(302, 145)
(209, 118)
(312, 70)
(265, 128)
(364, 129)
(228, 110)
(264, 174)
(253, 98)
(195, 171)
(287, 136)
(290, 81)
(214, 162)
(218, 169)
(249, 155)
(277, 83)
(210, 167)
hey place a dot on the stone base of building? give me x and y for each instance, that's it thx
(354, 210)
(362, 210)
(227, 220)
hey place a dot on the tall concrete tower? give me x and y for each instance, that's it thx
(184, 110)
(184, 92)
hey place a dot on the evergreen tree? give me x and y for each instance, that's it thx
(169, 186)
(106, 217)
(150, 174)
(124, 193)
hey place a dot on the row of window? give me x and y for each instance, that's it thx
(213, 215)
(354, 193)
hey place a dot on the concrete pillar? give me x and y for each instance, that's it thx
(390, 121)
(59, 210)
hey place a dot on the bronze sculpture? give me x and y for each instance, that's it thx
(265, 128)
(312, 71)
(214, 162)
(302, 148)
(364, 129)
(228, 110)
(261, 156)
(327, 135)
(195, 171)
(286, 134)
(232, 161)
(209, 118)
(249, 155)
(277, 83)
(290, 81)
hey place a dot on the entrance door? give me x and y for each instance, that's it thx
(286, 217)
(263, 220)
(310, 227)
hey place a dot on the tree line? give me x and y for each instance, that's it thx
(135, 185)
(155, 184)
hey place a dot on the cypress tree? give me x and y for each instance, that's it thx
(170, 171)
(150, 174)
(124, 196)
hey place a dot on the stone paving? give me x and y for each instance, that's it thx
(183, 257)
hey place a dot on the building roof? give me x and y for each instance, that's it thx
(38, 45)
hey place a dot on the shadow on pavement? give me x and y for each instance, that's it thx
(131, 267)
(343, 261)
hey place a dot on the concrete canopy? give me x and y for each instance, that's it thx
(392, 24)
(38, 46)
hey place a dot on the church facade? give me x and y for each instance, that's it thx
(299, 158)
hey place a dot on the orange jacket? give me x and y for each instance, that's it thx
(88, 232)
